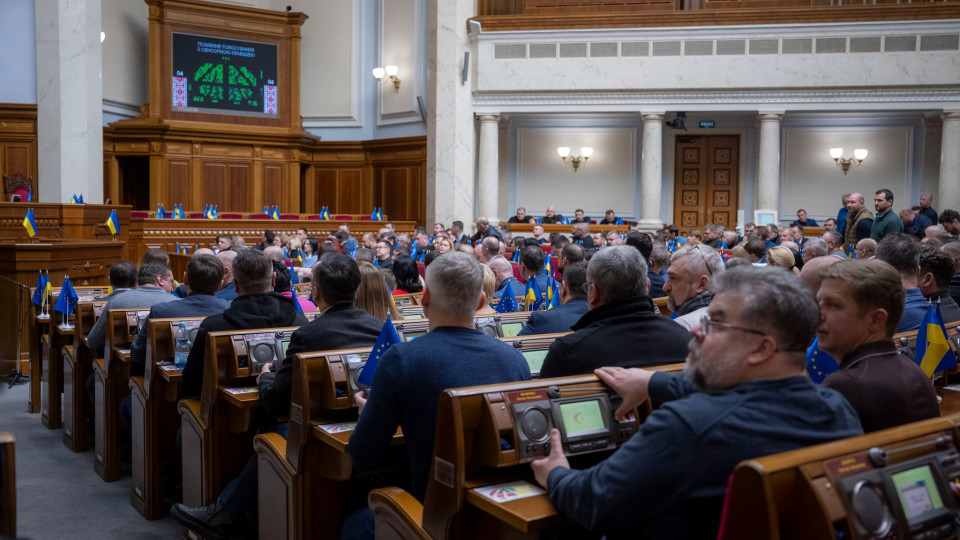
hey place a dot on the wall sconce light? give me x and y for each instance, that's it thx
(859, 155)
(585, 153)
(389, 71)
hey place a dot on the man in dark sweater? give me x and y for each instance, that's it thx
(621, 327)
(340, 326)
(410, 376)
(936, 271)
(573, 305)
(860, 304)
(746, 363)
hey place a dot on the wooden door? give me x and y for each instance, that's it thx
(706, 178)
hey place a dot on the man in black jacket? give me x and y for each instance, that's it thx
(341, 326)
(573, 305)
(621, 327)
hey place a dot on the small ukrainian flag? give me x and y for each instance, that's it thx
(113, 222)
(30, 224)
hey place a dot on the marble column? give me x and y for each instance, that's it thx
(948, 194)
(651, 171)
(451, 135)
(69, 100)
(768, 168)
(488, 170)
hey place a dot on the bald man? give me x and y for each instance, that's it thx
(227, 291)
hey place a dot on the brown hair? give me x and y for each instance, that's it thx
(373, 296)
(875, 284)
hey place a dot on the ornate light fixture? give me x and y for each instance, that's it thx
(389, 71)
(585, 153)
(859, 155)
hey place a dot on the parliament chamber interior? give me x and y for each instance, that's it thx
(138, 135)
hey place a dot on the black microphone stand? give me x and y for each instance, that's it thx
(18, 377)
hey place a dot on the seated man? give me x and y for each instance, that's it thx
(155, 283)
(521, 216)
(484, 229)
(578, 217)
(936, 271)
(802, 219)
(551, 217)
(860, 304)
(224, 242)
(915, 224)
(581, 235)
(567, 255)
(573, 305)
(410, 376)
(743, 394)
(902, 252)
(538, 234)
(688, 283)
(643, 243)
(227, 290)
(609, 218)
(621, 327)
(256, 306)
(503, 273)
(531, 263)
(123, 277)
(866, 249)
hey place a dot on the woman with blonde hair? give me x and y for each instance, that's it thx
(489, 287)
(373, 295)
(782, 257)
(444, 245)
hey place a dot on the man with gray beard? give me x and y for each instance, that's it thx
(743, 394)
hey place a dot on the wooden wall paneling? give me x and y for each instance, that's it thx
(308, 190)
(18, 141)
(325, 189)
(239, 192)
(177, 183)
(291, 182)
(273, 187)
(350, 191)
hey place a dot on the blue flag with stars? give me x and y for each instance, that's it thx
(67, 299)
(39, 292)
(819, 363)
(508, 302)
(388, 336)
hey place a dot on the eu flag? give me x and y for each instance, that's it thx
(113, 222)
(373, 215)
(67, 299)
(508, 302)
(531, 298)
(38, 294)
(619, 221)
(388, 336)
(30, 224)
(296, 302)
(933, 349)
(819, 363)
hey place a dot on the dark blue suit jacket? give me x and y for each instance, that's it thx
(195, 305)
(228, 293)
(558, 319)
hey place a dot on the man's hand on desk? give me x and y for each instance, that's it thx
(542, 467)
(631, 384)
(265, 369)
(361, 401)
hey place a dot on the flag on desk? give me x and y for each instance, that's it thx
(30, 195)
(74, 199)
(388, 336)
(565, 221)
(508, 302)
(552, 292)
(178, 211)
(531, 298)
(819, 363)
(208, 211)
(619, 221)
(113, 222)
(67, 300)
(29, 223)
(933, 349)
(325, 214)
(47, 288)
(38, 293)
(161, 211)
(275, 213)
(296, 301)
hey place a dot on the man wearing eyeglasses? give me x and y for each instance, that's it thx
(742, 395)
(688, 283)
(621, 327)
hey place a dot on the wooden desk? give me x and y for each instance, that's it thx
(8, 486)
(519, 228)
(77, 367)
(52, 388)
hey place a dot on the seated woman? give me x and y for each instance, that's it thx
(782, 257)
(373, 296)
(407, 274)
(443, 245)
(489, 287)
(309, 252)
(282, 286)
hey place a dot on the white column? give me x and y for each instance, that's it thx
(450, 124)
(768, 168)
(651, 171)
(948, 195)
(488, 169)
(69, 100)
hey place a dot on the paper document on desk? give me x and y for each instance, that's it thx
(338, 428)
(510, 491)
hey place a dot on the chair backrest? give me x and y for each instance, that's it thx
(87, 313)
(813, 492)
(17, 185)
(122, 328)
(161, 343)
(8, 487)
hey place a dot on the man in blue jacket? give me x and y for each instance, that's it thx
(743, 394)
(573, 305)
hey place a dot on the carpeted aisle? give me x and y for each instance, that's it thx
(58, 493)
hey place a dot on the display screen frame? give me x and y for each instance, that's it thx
(602, 403)
(172, 82)
(947, 508)
(542, 353)
(512, 324)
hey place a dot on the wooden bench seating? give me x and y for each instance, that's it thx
(77, 367)
(154, 418)
(798, 494)
(472, 426)
(111, 375)
(8, 487)
(217, 429)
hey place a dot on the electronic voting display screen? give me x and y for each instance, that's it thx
(224, 76)
(535, 359)
(582, 418)
(917, 491)
(511, 329)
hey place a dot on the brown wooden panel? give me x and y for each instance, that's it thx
(178, 183)
(239, 192)
(397, 192)
(350, 192)
(213, 185)
(16, 159)
(706, 179)
(272, 184)
(325, 188)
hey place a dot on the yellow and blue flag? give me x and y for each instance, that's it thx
(933, 349)
(619, 221)
(508, 302)
(531, 298)
(30, 224)
(552, 292)
(67, 299)
(388, 336)
(178, 211)
(38, 293)
(819, 363)
(275, 213)
(325, 214)
(113, 222)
